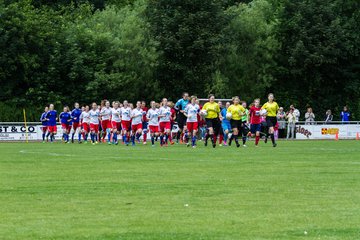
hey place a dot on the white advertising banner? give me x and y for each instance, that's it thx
(17, 132)
(343, 131)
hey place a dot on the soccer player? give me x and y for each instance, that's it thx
(255, 120)
(44, 123)
(225, 123)
(115, 121)
(219, 132)
(85, 122)
(144, 122)
(136, 122)
(105, 115)
(172, 120)
(51, 118)
(245, 122)
(94, 115)
(65, 119)
(75, 115)
(271, 107)
(181, 118)
(126, 121)
(212, 118)
(153, 118)
(236, 110)
(191, 113)
(164, 122)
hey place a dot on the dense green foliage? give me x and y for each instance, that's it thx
(72, 191)
(306, 52)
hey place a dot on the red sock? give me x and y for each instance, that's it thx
(215, 138)
(144, 137)
(170, 137)
(257, 138)
(221, 138)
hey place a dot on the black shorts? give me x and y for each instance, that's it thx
(271, 121)
(212, 122)
(236, 124)
(181, 120)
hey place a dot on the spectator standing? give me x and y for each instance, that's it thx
(296, 112)
(309, 117)
(281, 117)
(328, 116)
(291, 118)
(345, 115)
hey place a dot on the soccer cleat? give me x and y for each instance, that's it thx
(68, 142)
(274, 145)
(188, 144)
(144, 143)
(214, 145)
(220, 145)
(193, 146)
(244, 145)
(72, 140)
(80, 142)
(172, 143)
(265, 141)
(93, 143)
(205, 143)
(237, 145)
(153, 145)
(109, 143)
(116, 143)
(96, 142)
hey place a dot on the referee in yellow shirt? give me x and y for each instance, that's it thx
(237, 111)
(271, 107)
(212, 118)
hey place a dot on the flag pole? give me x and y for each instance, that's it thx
(26, 129)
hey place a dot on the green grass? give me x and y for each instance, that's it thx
(115, 192)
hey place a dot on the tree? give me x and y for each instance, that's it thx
(189, 35)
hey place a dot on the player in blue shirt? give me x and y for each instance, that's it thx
(75, 116)
(65, 119)
(180, 106)
(225, 123)
(345, 115)
(44, 123)
(51, 118)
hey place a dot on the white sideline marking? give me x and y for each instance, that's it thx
(47, 153)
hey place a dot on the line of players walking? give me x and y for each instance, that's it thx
(105, 123)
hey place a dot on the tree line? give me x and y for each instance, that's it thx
(305, 52)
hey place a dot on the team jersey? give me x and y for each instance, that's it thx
(94, 116)
(245, 117)
(105, 113)
(181, 104)
(166, 111)
(145, 110)
(137, 114)
(42, 119)
(223, 114)
(85, 117)
(65, 117)
(115, 114)
(236, 111)
(51, 115)
(192, 112)
(153, 116)
(255, 117)
(125, 114)
(75, 115)
(212, 109)
(271, 108)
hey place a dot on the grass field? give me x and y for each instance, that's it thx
(299, 190)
